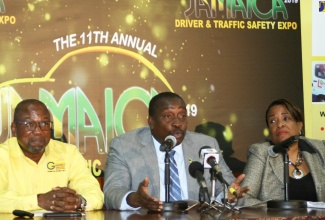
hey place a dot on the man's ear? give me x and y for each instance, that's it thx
(150, 122)
(13, 129)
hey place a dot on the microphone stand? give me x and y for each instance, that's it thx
(201, 201)
(215, 202)
(286, 176)
(176, 205)
(286, 204)
(167, 177)
(213, 185)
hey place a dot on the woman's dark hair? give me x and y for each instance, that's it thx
(292, 108)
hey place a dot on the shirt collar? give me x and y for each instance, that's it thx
(305, 146)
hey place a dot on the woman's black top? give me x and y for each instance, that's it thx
(302, 189)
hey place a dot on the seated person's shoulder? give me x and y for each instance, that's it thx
(4, 152)
(9, 147)
(59, 146)
(316, 143)
(197, 134)
(260, 146)
(133, 134)
(200, 136)
(4, 148)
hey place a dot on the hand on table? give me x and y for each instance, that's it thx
(59, 199)
(142, 198)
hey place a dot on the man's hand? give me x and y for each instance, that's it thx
(141, 198)
(241, 191)
(59, 199)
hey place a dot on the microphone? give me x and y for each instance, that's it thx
(22, 213)
(196, 171)
(213, 163)
(222, 180)
(282, 146)
(207, 152)
(168, 144)
(210, 158)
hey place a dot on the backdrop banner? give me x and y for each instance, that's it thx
(314, 71)
(96, 65)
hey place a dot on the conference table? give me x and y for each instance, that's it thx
(260, 212)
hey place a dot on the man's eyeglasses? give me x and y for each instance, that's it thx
(31, 125)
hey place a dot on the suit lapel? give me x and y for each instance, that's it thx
(277, 166)
(149, 152)
(190, 153)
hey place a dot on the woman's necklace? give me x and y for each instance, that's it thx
(297, 173)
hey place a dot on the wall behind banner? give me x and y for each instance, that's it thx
(97, 64)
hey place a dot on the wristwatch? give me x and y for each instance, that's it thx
(83, 205)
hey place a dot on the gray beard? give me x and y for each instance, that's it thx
(36, 150)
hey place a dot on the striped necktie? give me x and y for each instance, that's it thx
(175, 189)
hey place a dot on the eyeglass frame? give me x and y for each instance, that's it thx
(36, 123)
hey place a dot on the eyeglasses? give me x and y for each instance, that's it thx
(31, 125)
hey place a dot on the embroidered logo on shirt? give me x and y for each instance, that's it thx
(56, 167)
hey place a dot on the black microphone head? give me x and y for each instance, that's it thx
(211, 161)
(283, 146)
(22, 213)
(271, 151)
(172, 140)
(194, 167)
(286, 143)
(204, 147)
(169, 143)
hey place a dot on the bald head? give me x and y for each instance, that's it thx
(25, 105)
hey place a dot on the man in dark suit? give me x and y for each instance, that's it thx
(134, 173)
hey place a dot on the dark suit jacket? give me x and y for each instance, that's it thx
(264, 174)
(132, 157)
